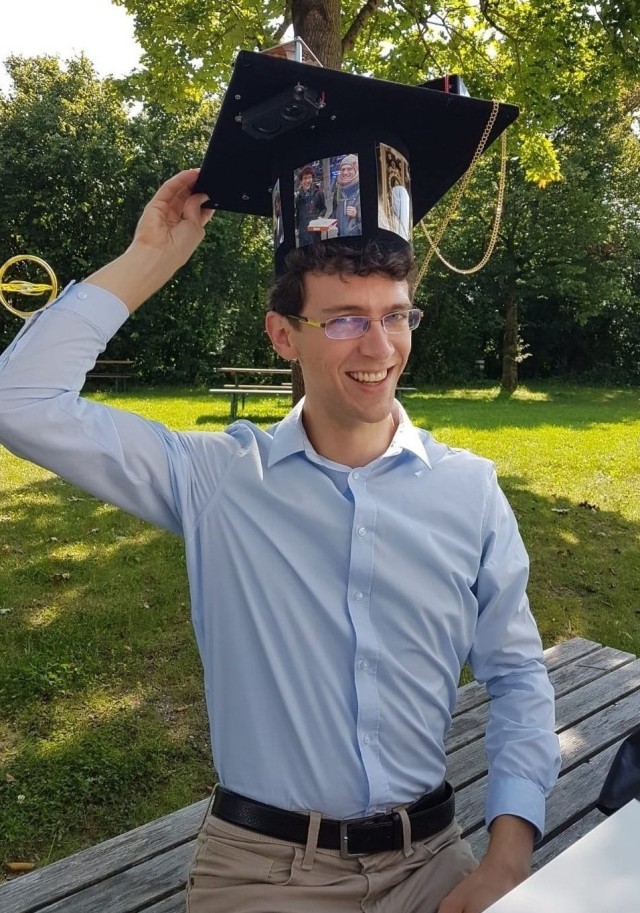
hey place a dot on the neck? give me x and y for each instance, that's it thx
(350, 445)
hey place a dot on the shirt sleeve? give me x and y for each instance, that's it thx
(522, 748)
(115, 455)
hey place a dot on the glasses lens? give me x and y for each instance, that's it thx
(401, 321)
(415, 316)
(346, 327)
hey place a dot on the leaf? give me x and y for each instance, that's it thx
(9, 778)
(17, 868)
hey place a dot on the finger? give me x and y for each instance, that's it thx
(180, 186)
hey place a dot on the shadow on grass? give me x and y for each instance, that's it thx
(100, 685)
(258, 418)
(583, 580)
(102, 723)
(489, 408)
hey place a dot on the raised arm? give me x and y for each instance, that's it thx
(117, 456)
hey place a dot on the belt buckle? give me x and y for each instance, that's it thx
(344, 837)
(396, 821)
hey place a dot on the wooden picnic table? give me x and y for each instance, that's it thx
(254, 372)
(237, 391)
(145, 870)
(116, 369)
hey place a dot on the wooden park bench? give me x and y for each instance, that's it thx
(597, 705)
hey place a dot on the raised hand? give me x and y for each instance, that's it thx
(170, 228)
(173, 221)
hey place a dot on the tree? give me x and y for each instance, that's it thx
(565, 265)
(551, 59)
(76, 168)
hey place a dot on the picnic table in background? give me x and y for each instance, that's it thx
(264, 386)
(113, 369)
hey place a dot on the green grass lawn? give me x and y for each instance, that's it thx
(102, 725)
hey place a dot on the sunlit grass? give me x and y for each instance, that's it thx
(102, 725)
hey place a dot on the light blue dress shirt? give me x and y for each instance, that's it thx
(333, 607)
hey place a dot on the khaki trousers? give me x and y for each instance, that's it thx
(238, 871)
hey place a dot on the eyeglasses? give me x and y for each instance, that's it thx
(353, 325)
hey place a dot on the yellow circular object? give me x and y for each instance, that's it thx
(23, 287)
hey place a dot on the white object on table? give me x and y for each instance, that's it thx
(599, 873)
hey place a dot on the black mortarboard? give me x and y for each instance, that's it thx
(328, 154)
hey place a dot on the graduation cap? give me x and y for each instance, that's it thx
(329, 154)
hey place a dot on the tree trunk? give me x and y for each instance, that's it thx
(510, 342)
(317, 22)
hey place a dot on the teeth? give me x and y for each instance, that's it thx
(368, 377)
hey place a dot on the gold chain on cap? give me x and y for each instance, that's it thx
(435, 241)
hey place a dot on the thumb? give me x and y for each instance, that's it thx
(193, 208)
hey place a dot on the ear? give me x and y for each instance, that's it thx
(282, 335)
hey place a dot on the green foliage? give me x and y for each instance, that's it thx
(550, 59)
(64, 157)
(568, 254)
(76, 168)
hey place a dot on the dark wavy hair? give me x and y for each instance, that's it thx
(334, 257)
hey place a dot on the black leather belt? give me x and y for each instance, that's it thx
(353, 837)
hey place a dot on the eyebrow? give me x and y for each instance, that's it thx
(347, 310)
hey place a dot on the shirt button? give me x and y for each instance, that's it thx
(366, 739)
(82, 295)
(356, 476)
(362, 531)
(364, 665)
(359, 595)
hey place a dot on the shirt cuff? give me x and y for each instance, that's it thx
(514, 796)
(95, 304)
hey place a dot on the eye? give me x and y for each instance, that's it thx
(397, 318)
(346, 327)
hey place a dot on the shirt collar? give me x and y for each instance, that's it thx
(289, 437)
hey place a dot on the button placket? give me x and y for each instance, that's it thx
(366, 646)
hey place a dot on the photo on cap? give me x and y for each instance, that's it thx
(309, 183)
(394, 192)
(345, 195)
(278, 225)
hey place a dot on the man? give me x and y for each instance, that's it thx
(346, 198)
(343, 566)
(310, 205)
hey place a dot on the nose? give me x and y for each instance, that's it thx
(376, 343)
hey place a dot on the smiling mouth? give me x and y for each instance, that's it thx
(368, 377)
